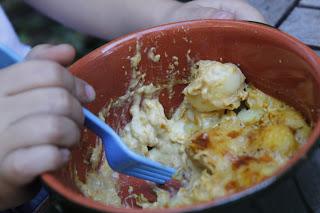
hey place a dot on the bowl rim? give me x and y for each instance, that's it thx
(304, 51)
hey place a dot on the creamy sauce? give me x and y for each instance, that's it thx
(224, 137)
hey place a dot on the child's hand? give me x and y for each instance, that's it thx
(215, 9)
(40, 118)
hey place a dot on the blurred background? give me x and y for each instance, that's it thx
(300, 18)
(33, 28)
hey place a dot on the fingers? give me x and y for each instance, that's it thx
(20, 168)
(39, 130)
(220, 14)
(38, 74)
(217, 9)
(23, 165)
(62, 54)
(199, 10)
(41, 119)
(12, 195)
(51, 100)
(241, 9)
(211, 13)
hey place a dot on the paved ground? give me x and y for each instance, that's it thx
(301, 192)
(300, 18)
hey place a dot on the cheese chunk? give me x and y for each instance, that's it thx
(215, 86)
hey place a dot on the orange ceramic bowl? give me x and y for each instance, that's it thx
(273, 61)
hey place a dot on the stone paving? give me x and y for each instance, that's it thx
(300, 18)
(301, 192)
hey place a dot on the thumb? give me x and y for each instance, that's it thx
(241, 9)
(201, 12)
(62, 54)
(212, 13)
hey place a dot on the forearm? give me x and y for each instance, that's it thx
(106, 19)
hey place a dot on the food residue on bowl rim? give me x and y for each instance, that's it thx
(224, 137)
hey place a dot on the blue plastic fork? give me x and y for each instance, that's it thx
(120, 158)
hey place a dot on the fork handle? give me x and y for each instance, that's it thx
(96, 125)
(93, 123)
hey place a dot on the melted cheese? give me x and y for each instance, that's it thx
(215, 150)
(215, 86)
